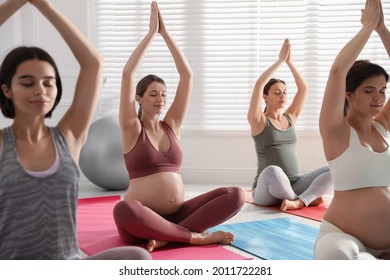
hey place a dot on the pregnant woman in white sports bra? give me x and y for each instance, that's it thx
(354, 126)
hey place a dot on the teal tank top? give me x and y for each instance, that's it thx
(37, 215)
(277, 147)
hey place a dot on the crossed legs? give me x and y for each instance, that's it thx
(137, 223)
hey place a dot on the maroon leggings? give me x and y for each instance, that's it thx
(137, 223)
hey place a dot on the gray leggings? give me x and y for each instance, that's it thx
(273, 186)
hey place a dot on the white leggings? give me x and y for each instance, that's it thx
(273, 186)
(334, 244)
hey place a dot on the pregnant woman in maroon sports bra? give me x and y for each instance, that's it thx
(154, 208)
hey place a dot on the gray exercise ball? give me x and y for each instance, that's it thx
(101, 158)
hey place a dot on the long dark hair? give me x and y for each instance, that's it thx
(143, 85)
(360, 71)
(8, 69)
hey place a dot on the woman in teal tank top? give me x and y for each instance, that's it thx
(278, 180)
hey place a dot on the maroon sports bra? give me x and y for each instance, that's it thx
(144, 159)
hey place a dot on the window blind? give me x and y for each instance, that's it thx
(228, 45)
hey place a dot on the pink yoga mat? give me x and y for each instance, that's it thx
(312, 212)
(96, 232)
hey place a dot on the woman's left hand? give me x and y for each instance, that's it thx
(162, 30)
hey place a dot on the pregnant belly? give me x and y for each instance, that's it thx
(162, 192)
(363, 213)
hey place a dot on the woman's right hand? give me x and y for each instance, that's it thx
(153, 23)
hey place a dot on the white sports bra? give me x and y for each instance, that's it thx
(359, 167)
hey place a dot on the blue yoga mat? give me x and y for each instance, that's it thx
(274, 239)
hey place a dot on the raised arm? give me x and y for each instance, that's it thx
(302, 89)
(128, 119)
(76, 121)
(8, 8)
(178, 109)
(333, 124)
(383, 31)
(255, 114)
(384, 34)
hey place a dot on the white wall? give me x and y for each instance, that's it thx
(231, 159)
(216, 158)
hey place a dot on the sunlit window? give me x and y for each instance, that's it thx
(228, 44)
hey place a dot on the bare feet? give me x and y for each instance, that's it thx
(218, 237)
(154, 244)
(197, 238)
(298, 204)
(291, 204)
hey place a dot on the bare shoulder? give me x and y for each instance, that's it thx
(382, 121)
(290, 116)
(258, 127)
(173, 126)
(130, 135)
(336, 142)
(70, 139)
